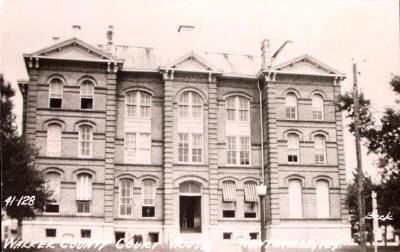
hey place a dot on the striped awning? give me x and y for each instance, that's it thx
(250, 193)
(229, 191)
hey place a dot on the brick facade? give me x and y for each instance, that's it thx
(107, 165)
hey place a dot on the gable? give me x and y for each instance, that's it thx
(306, 65)
(192, 62)
(73, 49)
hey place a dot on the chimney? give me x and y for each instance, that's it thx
(265, 54)
(76, 29)
(55, 38)
(186, 39)
(110, 34)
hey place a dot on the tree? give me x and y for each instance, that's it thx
(385, 142)
(19, 176)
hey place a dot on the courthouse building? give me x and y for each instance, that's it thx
(142, 142)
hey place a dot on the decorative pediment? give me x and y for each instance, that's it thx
(73, 49)
(192, 62)
(306, 65)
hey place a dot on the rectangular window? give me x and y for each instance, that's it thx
(250, 209)
(55, 93)
(227, 236)
(149, 198)
(228, 209)
(54, 137)
(197, 148)
(253, 236)
(119, 236)
(244, 150)
(183, 147)
(231, 149)
(83, 207)
(293, 148)
(86, 233)
(85, 139)
(51, 232)
(144, 144)
(317, 115)
(87, 93)
(153, 237)
(290, 112)
(131, 104)
(130, 146)
(231, 109)
(126, 197)
(244, 108)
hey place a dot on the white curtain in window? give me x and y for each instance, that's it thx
(293, 141)
(87, 89)
(295, 199)
(317, 102)
(84, 187)
(56, 88)
(54, 140)
(322, 199)
(291, 100)
(53, 184)
(149, 192)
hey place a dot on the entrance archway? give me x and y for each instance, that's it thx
(190, 207)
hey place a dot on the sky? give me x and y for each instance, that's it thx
(337, 33)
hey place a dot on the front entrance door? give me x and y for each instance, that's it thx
(190, 213)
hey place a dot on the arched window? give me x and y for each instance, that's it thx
(55, 93)
(83, 193)
(190, 105)
(250, 199)
(54, 137)
(293, 148)
(320, 149)
(291, 106)
(295, 199)
(322, 199)
(148, 198)
(53, 184)
(126, 197)
(228, 199)
(137, 104)
(85, 140)
(317, 107)
(87, 94)
(237, 108)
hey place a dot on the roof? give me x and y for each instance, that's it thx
(147, 59)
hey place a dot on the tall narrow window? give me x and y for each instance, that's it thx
(238, 150)
(295, 199)
(183, 147)
(126, 197)
(54, 137)
(238, 109)
(197, 148)
(137, 105)
(317, 107)
(228, 199)
(53, 184)
(231, 149)
(322, 199)
(250, 199)
(130, 147)
(149, 198)
(137, 148)
(291, 106)
(85, 140)
(83, 193)
(55, 93)
(87, 94)
(293, 148)
(190, 105)
(320, 150)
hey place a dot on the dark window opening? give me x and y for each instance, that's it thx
(190, 213)
(52, 208)
(228, 213)
(148, 211)
(86, 103)
(250, 215)
(227, 236)
(137, 239)
(83, 206)
(55, 102)
(253, 236)
(86, 233)
(51, 232)
(153, 237)
(292, 158)
(119, 236)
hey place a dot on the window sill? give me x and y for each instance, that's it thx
(83, 214)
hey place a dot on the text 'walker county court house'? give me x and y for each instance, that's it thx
(143, 142)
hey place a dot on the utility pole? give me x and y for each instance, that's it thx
(360, 175)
